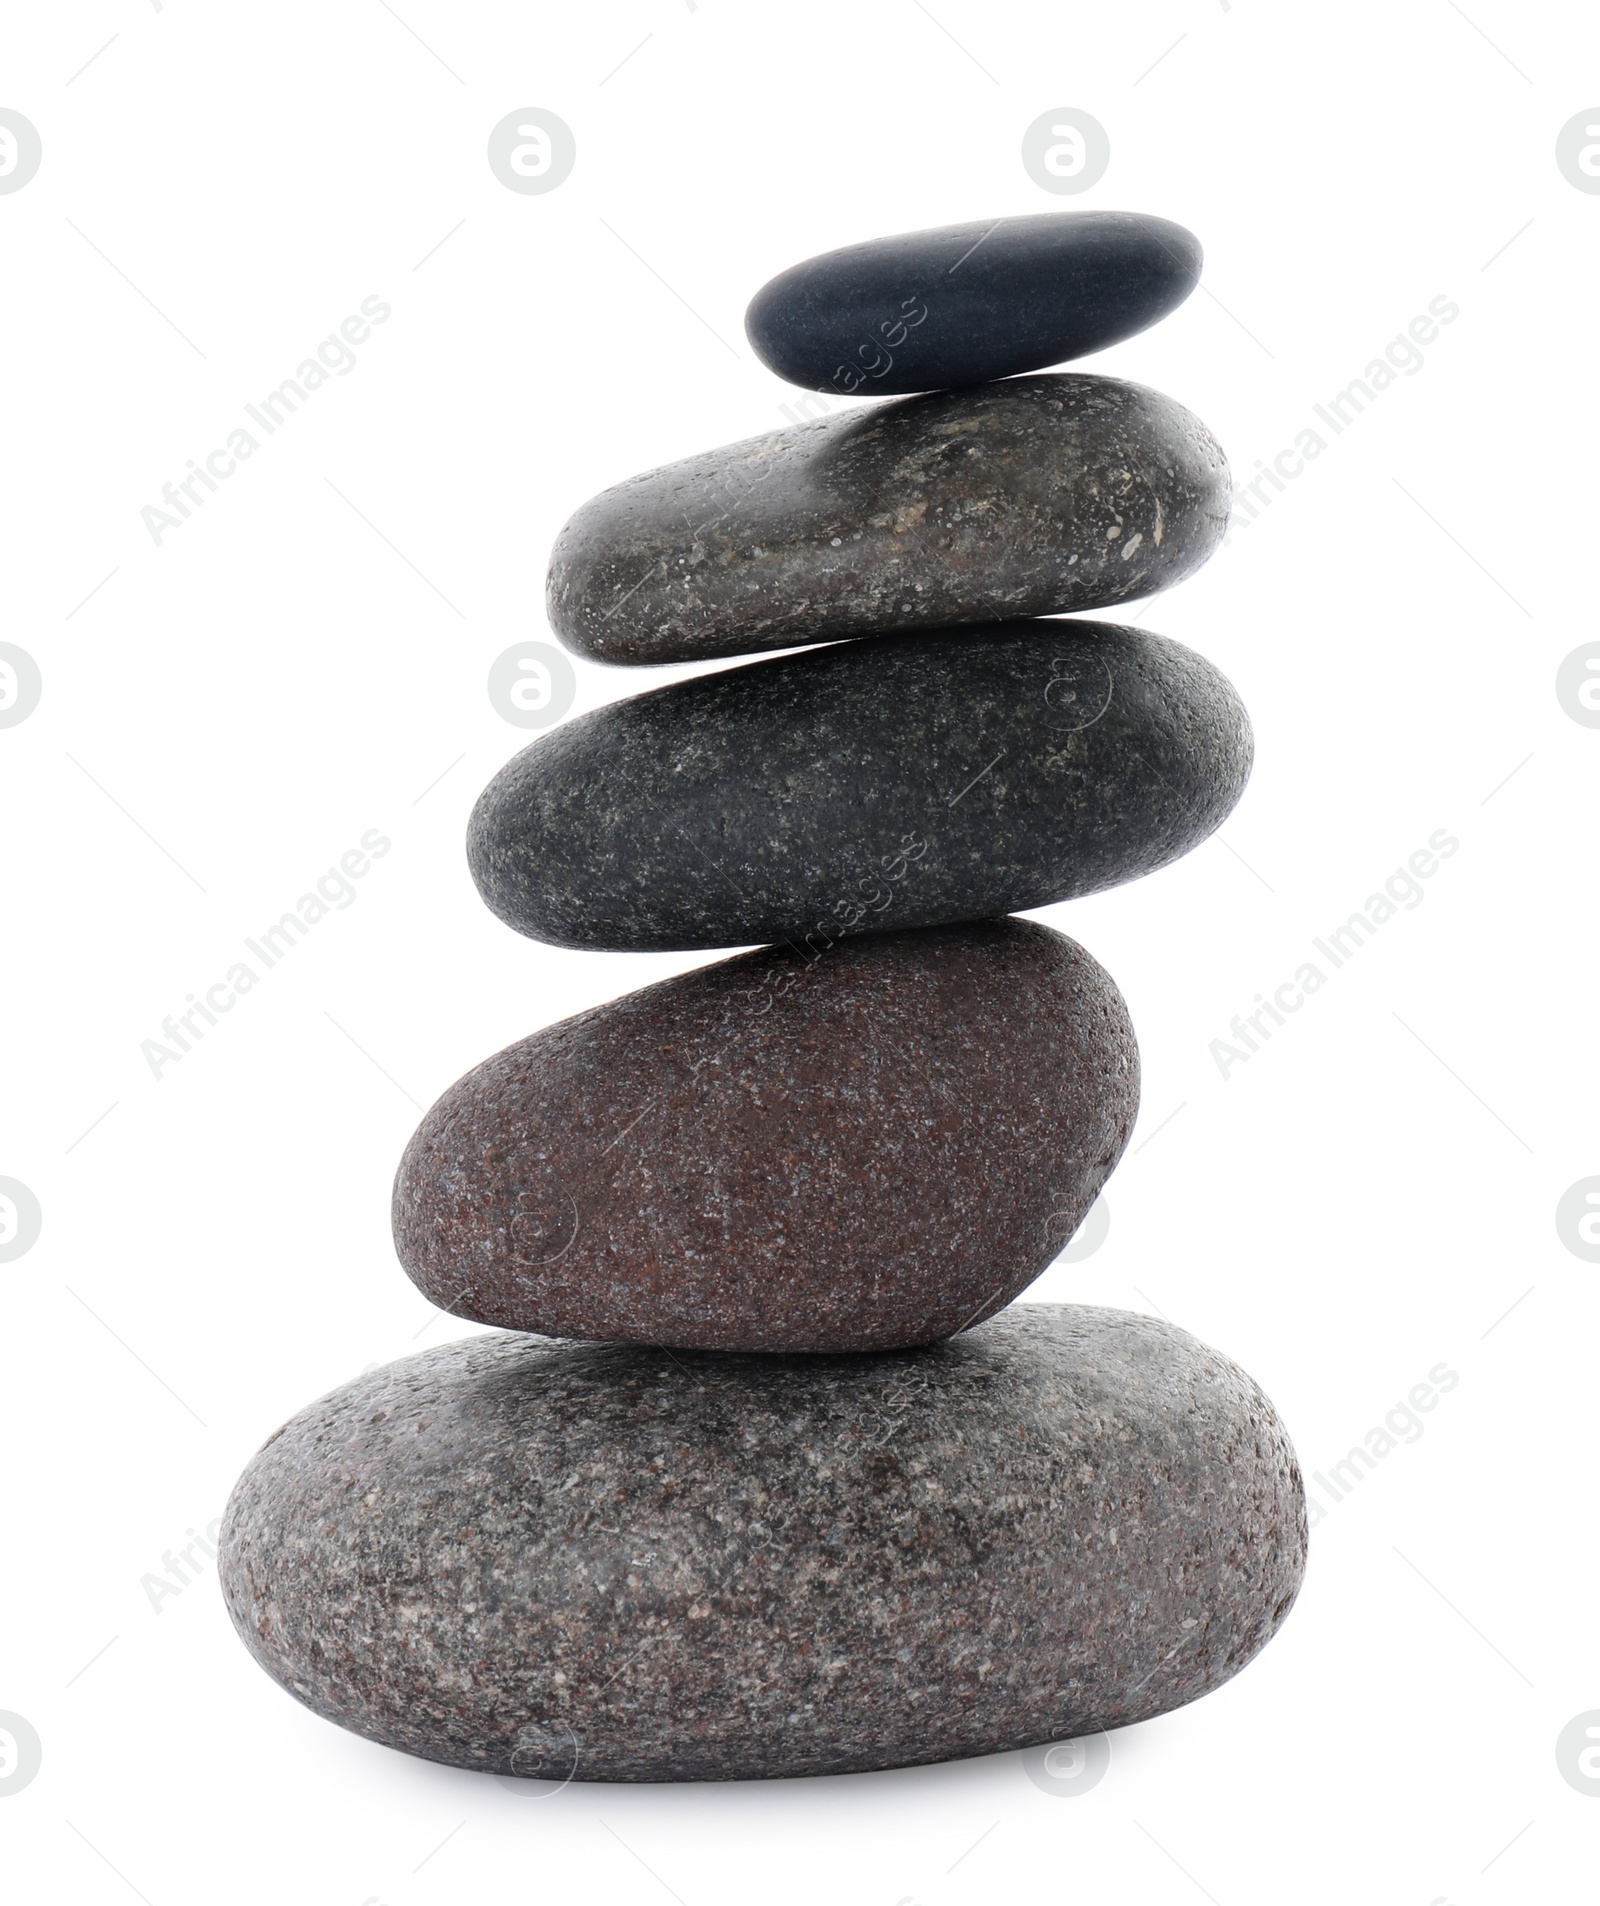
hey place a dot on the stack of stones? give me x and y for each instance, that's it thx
(805, 1496)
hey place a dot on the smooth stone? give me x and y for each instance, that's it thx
(899, 782)
(871, 1148)
(1029, 497)
(609, 1563)
(965, 303)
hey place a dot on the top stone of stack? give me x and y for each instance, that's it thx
(964, 304)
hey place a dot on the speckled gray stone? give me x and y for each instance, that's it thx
(899, 782)
(865, 1149)
(624, 1564)
(1031, 496)
(964, 303)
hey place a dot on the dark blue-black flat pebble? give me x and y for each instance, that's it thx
(966, 303)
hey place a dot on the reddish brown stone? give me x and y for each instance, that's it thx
(871, 1147)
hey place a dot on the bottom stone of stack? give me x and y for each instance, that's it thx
(608, 1562)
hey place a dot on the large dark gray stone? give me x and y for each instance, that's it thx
(906, 781)
(628, 1564)
(1032, 496)
(965, 303)
(872, 1148)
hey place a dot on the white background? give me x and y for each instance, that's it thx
(1366, 1197)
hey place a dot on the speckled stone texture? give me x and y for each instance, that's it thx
(1027, 497)
(621, 1564)
(897, 782)
(965, 303)
(869, 1148)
